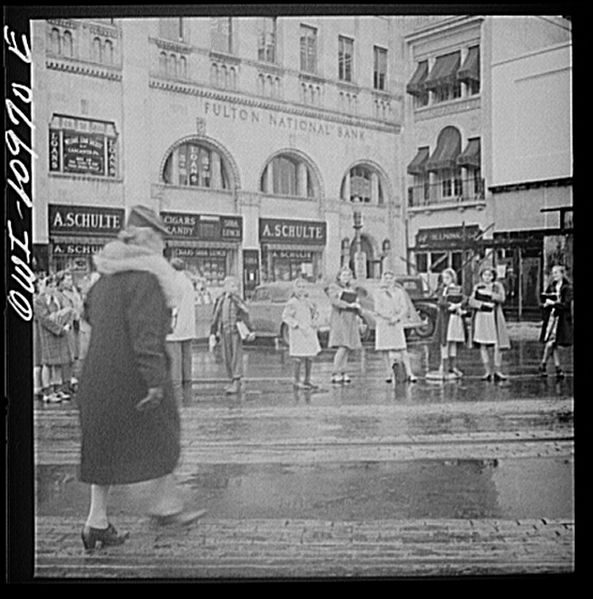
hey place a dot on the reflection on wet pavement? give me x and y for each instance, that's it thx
(467, 488)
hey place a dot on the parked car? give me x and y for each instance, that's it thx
(268, 301)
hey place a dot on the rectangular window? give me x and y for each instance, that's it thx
(266, 39)
(473, 87)
(345, 58)
(221, 34)
(421, 262)
(171, 29)
(308, 49)
(379, 68)
(82, 146)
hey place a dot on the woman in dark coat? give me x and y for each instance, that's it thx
(557, 314)
(129, 418)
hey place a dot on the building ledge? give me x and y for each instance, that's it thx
(461, 206)
(82, 177)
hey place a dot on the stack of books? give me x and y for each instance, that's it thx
(454, 294)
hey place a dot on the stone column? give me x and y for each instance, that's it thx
(215, 173)
(374, 188)
(302, 180)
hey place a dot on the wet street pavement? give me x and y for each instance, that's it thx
(368, 479)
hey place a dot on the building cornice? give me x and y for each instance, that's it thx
(445, 26)
(82, 68)
(559, 182)
(463, 105)
(276, 105)
(172, 46)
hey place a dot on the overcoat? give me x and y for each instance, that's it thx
(390, 304)
(343, 321)
(501, 332)
(562, 309)
(442, 331)
(300, 315)
(127, 355)
(52, 347)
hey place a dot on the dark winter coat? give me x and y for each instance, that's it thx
(563, 309)
(127, 355)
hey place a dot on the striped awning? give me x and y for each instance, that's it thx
(447, 150)
(302, 247)
(470, 70)
(444, 71)
(82, 239)
(193, 243)
(416, 86)
(470, 157)
(418, 165)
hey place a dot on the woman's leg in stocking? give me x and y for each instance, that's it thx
(308, 363)
(97, 517)
(338, 360)
(485, 355)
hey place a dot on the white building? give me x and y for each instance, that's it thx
(255, 138)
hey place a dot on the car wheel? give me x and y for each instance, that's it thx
(427, 328)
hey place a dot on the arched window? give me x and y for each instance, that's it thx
(97, 50)
(68, 49)
(196, 164)
(183, 67)
(55, 42)
(173, 65)
(163, 63)
(108, 52)
(289, 175)
(363, 184)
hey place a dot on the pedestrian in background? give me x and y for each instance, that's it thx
(489, 324)
(128, 415)
(73, 298)
(54, 318)
(344, 330)
(179, 341)
(557, 328)
(230, 327)
(391, 308)
(449, 329)
(300, 315)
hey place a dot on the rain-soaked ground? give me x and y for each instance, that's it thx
(367, 451)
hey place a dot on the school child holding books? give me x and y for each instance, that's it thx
(344, 330)
(230, 327)
(301, 315)
(557, 328)
(489, 325)
(449, 325)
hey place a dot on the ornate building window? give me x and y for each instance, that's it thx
(363, 185)
(308, 40)
(345, 58)
(379, 68)
(289, 175)
(196, 164)
(266, 39)
(221, 34)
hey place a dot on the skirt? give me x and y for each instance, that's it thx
(485, 328)
(455, 330)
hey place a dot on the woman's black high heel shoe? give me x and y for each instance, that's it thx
(103, 536)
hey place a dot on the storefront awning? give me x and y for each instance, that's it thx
(302, 247)
(470, 69)
(415, 86)
(192, 243)
(418, 165)
(470, 157)
(81, 239)
(444, 71)
(447, 150)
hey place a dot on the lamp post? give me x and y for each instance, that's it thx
(360, 261)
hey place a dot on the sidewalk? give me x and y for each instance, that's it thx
(312, 548)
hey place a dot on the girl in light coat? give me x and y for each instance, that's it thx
(301, 314)
(449, 325)
(490, 328)
(391, 309)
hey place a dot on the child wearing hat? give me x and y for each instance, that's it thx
(301, 314)
(230, 326)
